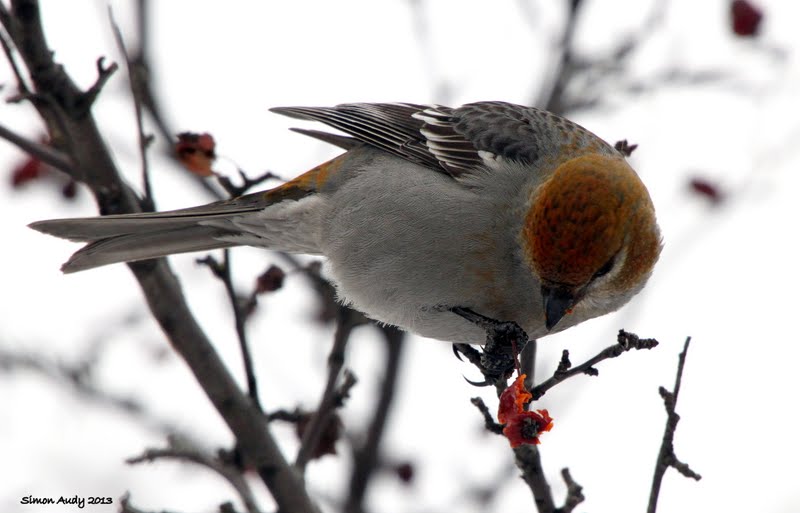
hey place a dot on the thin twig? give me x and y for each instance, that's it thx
(591, 78)
(223, 272)
(240, 318)
(45, 153)
(366, 457)
(329, 306)
(247, 182)
(574, 492)
(79, 378)
(666, 454)
(625, 342)
(86, 100)
(22, 87)
(347, 320)
(185, 451)
(142, 72)
(148, 203)
(143, 25)
(553, 98)
(141, 59)
(488, 420)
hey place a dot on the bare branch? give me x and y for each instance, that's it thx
(148, 203)
(43, 152)
(223, 272)
(329, 306)
(584, 74)
(574, 492)
(530, 463)
(346, 321)
(553, 99)
(488, 419)
(365, 459)
(88, 98)
(247, 182)
(625, 342)
(183, 450)
(79, 377)
(160, 286)
(142, 80)
(666, 454)
(22, 87)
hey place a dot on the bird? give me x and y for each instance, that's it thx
(508, 211)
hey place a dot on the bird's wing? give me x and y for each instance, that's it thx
(453, 140)
(388, 126)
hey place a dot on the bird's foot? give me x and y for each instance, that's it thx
(500, 356)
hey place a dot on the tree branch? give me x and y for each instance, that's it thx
(40, 151)
(554, 99)
(530, 463)
(347, 319)
(142, 79)
(223, 272)
(666, 454)
(488, 419)
(183, 450)
(366, 457)
(79, 377)
(625, 342)
(144, 140)
(160, 286)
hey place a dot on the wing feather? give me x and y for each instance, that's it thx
(474, 137)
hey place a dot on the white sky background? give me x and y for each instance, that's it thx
(726, 277)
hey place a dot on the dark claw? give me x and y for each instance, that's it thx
(475, 318)
(484, 383)
(504, 341)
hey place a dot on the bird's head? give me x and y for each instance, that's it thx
(590, 237)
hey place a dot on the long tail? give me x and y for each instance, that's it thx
(132, 237)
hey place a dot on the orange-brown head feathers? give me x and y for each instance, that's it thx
(592, 215)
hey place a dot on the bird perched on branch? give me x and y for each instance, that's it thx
(507, 211)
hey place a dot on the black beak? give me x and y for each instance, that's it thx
(557, 302)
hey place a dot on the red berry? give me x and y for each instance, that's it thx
(745, 18)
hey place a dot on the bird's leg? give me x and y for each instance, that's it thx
(504, 341)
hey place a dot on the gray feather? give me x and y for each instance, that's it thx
(342, 141)
(387, 126)
(452, 141)
(131, 237)
(87, 229)
(143, 246)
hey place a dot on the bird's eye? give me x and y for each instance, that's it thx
(605, 269)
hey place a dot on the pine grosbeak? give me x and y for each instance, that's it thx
(511, 212)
